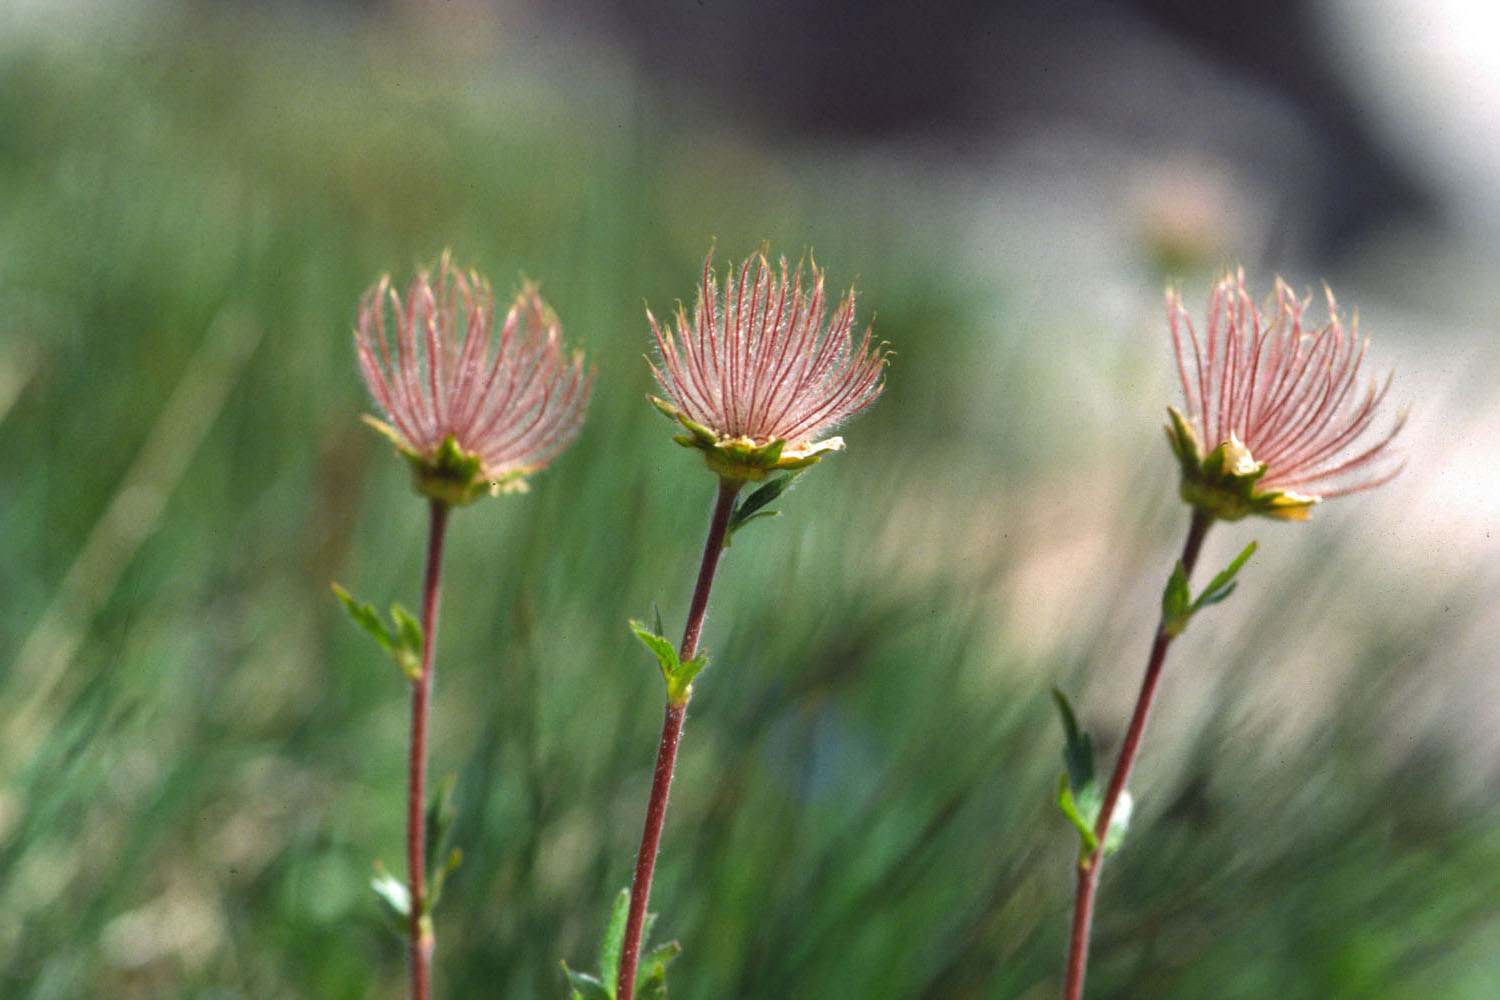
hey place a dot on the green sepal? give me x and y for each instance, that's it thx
(403, 642)
(451, 475)
(1177, 608)
(740, 459)
(678, 674)
(1224, 482)
(392, 435)
(697, 433)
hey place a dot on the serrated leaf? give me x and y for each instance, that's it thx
(404, 644)
(1078, 750)
(678, 675)
(660, 646)
(366, 617)
(613, 941)
(585, 986)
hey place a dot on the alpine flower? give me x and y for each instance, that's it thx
(757, 377)
(474, 411)
(1277, 419)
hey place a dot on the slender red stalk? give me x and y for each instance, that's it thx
(666, 752)
(416, 799)
(1088, 868)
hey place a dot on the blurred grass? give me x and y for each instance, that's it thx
(200, 771)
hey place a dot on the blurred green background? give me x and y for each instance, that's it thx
(200, 759)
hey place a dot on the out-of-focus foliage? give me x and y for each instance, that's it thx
(201, 760)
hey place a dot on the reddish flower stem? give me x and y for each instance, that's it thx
(416, 801)
(1088, 868)
(666, 753)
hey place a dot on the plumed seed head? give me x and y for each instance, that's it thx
(470, 406)
(762, 362)
(1277, 402)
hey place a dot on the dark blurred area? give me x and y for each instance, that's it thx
(966, 79)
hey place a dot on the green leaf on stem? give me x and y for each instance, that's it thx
(651, 970)
(1177, 606)
(660, 646)
(753, 507)
(1176, 601)
(652, 977)
(1065, 801)
(1078, 752)
(1078, 793)
(440, 816)
(408, 642)
(403, 643)
(757, 516)
(613, 941)
(439, 877)
(365, 616)
(439, 861)
(677, 673)
(1223, 585)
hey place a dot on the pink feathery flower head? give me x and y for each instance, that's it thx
(475, 410)
(760, 373)
(1277, 418)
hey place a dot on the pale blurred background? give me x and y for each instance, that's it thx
(200, 760)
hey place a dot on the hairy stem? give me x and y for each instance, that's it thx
(666, 752)
(1088, 867)
(416, 800)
